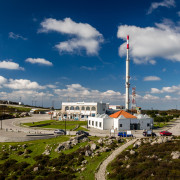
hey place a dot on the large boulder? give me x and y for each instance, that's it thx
(74, 142)
(59, 148)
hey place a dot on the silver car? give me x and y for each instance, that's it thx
(59, 131)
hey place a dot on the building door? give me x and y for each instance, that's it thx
(135, 126)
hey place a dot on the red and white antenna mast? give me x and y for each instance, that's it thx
(127, 77)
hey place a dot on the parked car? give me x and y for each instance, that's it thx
(165, 133)
(59, 131)
(149, 133)
(125, 134)
(82, 132)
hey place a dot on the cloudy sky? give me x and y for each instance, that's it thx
(59, 50)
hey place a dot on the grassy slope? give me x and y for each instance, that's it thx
(37, 148)
(58, 124)
(149, 162)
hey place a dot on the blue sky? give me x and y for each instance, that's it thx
(52, 51)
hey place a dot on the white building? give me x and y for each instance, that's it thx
(82, 110)
(101, 121)
(121, 120)
(116, 107)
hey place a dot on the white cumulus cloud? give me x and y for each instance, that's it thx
(170, 89)
(85, 37)
(41, 61)
(150, 97)
(83, 93)
(165, 3)
(162, 41)
(2, 80)
(10, 65)
(22, 84)
(152, 78)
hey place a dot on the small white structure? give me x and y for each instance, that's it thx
(116, 107)
(121, 120)
(101, 121)
(82, 110)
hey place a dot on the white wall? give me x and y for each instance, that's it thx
(125, 124)
(106, 123)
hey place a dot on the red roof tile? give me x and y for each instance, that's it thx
(124, 113)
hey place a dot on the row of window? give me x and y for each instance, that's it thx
(78, 108)
(96, 123)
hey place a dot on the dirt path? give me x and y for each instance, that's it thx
(101, 174)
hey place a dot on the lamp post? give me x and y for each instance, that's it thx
(65, 126)
(152, 130)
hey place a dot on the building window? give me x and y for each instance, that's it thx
(92, 123)
(93, 108)
(71, 108)
(66, 108)
(100, 124)
(82, 116)
(83, 108)
(89, 122)
(77, 108)
(148, 124)
(93, 115)
(120, 125)
(96, 123)
(87, 108)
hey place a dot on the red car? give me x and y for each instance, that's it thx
(165, 133)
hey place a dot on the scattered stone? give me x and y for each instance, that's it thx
(85, 139)
(100, 141)
(24, 146)
(46, 152)
(107, 149)
(132, 152)
(154, 156)
(154, 142)
(67, 146)
(74, 141)
(175, 154)
(82, 169)
(135, 145)
(152, 174)
(84, 162)
(93, 147)
(59, 148)
(35, 169)
(160, 141)
(88, 153)
(126, 158)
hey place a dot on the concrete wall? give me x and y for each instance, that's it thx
(100, 123)
(125, 124)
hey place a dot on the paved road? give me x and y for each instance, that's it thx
(101, 174)
(15, 130)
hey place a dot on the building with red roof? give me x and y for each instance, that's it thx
(121, 120)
